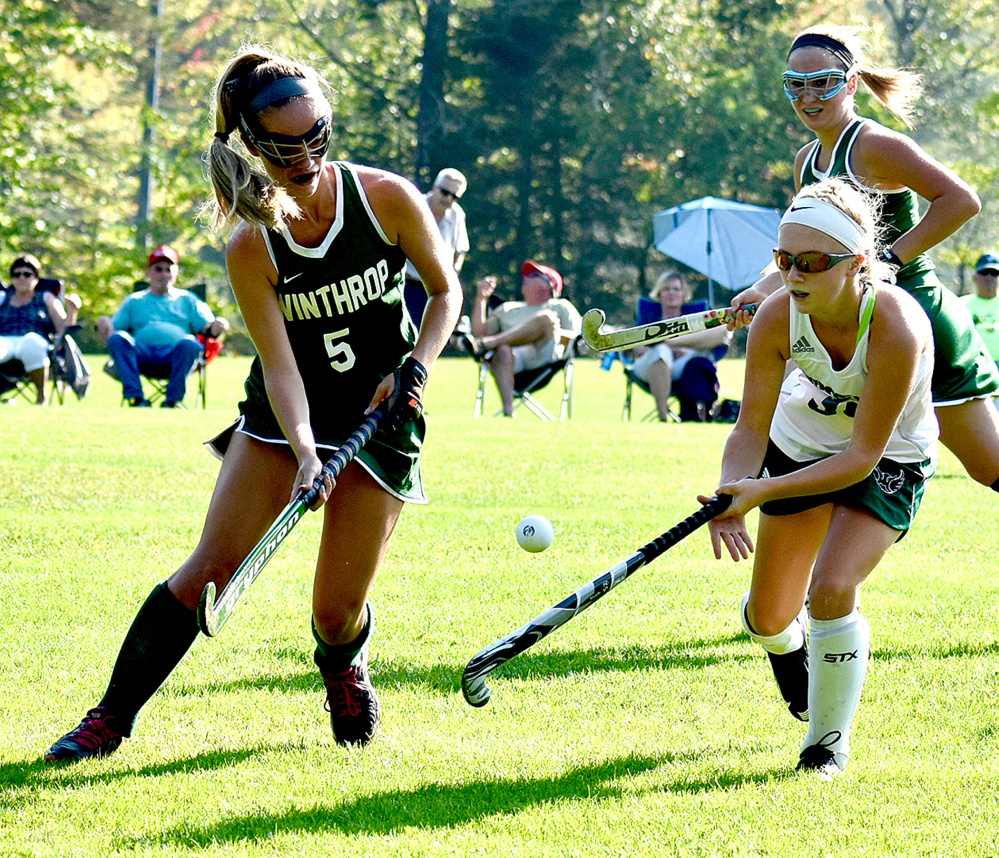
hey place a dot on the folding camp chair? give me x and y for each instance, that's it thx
(158, 375)
(527, 383)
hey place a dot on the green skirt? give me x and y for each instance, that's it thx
(963, 369)
(391, 458)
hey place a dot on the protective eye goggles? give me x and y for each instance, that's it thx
(809, 262)
(823, 84)
(284, 151)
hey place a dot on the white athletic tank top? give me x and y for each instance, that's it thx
(817, 404)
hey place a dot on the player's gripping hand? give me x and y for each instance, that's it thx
(756, 294)
(405, 402)
(728, 528)
(309, 470)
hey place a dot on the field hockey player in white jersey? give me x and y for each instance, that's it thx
(836, 456)
(316, 261)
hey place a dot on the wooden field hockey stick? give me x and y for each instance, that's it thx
(212, 615)
(654, 332)
(473, 681)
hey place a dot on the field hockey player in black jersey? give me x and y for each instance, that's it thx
(316, 260)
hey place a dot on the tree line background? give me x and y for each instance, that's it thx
(574, 121)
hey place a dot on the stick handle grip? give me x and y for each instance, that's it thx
(696, 519)
(345, 453)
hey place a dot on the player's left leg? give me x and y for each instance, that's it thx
(840, 635)
(359, 521)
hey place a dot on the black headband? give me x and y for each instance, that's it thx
(827, 43)
(281, 90)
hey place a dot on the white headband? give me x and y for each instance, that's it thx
(827, 218)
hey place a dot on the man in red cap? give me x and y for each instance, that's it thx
(521, 335)
(158, 325)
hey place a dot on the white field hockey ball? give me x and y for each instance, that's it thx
(535, 533)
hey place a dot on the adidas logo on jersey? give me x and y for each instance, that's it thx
(802, 346)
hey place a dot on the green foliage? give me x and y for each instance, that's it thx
(575, 120)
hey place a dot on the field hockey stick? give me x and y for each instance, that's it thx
(473, 681)
(212, 615)
(654, 332)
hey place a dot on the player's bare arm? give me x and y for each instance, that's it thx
(406, 220)
(253, 279)
(885, 159)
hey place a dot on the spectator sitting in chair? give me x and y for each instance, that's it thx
(670, 368)
(27, 317)
(521, 335)
(159, 325)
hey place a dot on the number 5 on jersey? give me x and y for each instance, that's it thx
(341, 355)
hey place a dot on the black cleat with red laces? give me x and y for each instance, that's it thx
(352, 703)
(94, 738)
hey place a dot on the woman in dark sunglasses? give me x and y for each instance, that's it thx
(316, 261)
(826, 65)
(836, 456)
(28, 318)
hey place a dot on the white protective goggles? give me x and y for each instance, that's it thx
(823, 84)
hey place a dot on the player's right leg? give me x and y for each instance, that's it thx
(253, 486)
(771, 612)
(970, 431)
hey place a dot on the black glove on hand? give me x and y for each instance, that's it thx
(405, 403)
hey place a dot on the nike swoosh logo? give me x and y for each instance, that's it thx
(800, 208)
(293, 276)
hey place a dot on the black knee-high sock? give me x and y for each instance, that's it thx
(160, 635)
(337, 658)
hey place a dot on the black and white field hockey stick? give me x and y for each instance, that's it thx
(212, 615)
(654, 332)
(473, 681)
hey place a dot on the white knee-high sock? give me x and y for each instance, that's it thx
(837, 665)
(790, 640)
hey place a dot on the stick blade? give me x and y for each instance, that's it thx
(208, 620)
(590, 327)
(475, 690)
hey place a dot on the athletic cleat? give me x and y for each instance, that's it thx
(95, 737)
(819, 759)
(352, 703)
(791, 672)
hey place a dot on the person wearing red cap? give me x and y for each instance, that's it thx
(158, 325)
(521, 335)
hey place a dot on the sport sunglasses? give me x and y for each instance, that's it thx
(809, 262)
(284, 151)
(824, 83)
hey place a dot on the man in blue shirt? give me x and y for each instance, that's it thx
(159, 325)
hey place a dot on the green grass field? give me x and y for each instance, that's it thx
(647, 726)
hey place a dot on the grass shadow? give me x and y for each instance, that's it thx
(21, 781)
(446, 678)
(445, 805)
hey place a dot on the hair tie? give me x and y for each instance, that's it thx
(222, 135)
